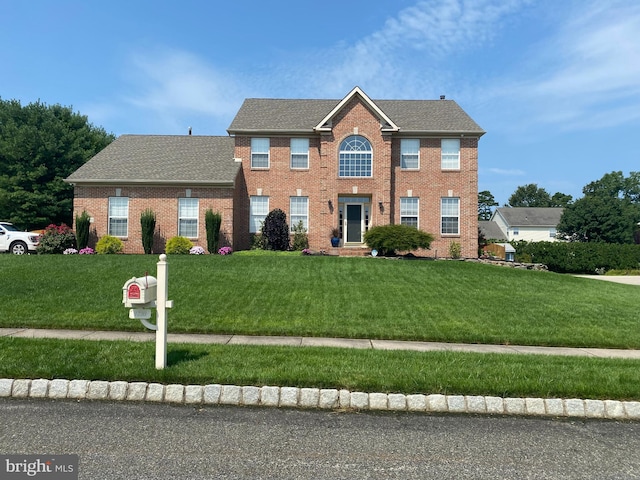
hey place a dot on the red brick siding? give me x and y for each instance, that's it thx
(164, 202)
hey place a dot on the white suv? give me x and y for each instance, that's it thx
(17, 242)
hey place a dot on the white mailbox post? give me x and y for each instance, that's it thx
(140, 295)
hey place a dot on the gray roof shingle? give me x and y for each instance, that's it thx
(531, 216)
(491, 230)
(415, 116)
(171, 159)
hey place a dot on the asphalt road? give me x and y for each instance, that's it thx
(159, 441)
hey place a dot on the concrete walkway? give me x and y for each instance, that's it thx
(318, 342)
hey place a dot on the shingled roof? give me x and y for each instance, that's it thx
(162, 159)
(530, 216)
(301, 116)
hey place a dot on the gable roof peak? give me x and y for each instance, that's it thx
(325, 123)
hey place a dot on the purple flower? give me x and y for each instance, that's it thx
(225, 251)
(87, 251)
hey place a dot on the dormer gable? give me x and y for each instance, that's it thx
(386, 124)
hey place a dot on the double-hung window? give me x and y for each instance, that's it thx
(260, 152)
(299, 212)
(300, 153)
(410, 154)
(450, 159)
(258, 210)
(450, 216)
(409, 211)
(188, 217)
(355, 157)
(118, 216)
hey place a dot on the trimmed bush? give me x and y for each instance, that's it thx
(82, 229)
(108, 245)
(212, 223)
(455, 250)
(56, 239)
(388, 239)
(148, 226)
(579, 257)
(178, 246)
(276, 231)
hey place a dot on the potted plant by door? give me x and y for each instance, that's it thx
(335, 237)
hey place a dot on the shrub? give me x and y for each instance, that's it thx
(109, 245)
(212, 225)
(300, 238)
(579, 257)
(178, 246)
(70, 251)
(388, 239)
(225, 251)
(455, 250)
(56, 239)
(258, 242)
(276, 231)
(197, 251)
(83, 223)
(148, 225)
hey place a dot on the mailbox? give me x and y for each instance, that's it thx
(140, 292)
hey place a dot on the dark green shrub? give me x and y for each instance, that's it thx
(56, 239)
(148, 226)
(579, 257)
(83, 223)
(258, 242)
(178, 246)
(300, 238)
(387, 239)
(109, 245)
(276, 231)
(212, 224)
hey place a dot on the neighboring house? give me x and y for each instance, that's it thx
(348, 164)
(491, 231)
(528, 223)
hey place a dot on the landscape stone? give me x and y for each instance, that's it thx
(397, 402)
(98, 390)
(58, 388)
(416, 402)
(21, 388)
(554, 407)
(309, 397)
(437, 403)
(329, 398)
(212, 394)
(137, 391)
(78, 389)
(39, 388)
(289, 396)
(118, 390)
(378, 401)
(574, 407)
(174, 393)
(270, 396)
(456, 403)
(359, 400)
(230, 395)
(193, 394)
(495, 405)
(155, 392)
(250, 395)
(6, 385)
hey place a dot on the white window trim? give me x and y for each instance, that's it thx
(305, 220)
(340, 152)
(292, 153)
(180, 218)
(442, 217)
(405, 141)
(442, 154)
(406, 215)
(118, 217)
(253, 216)
(254, 151)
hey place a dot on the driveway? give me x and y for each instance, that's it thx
(626, 279)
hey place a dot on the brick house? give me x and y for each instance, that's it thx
(348, 164)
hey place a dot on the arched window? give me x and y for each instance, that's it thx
(355, 157)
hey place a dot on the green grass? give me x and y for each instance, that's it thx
(356, 370)
(326, 296)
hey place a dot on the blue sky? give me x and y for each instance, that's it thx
(555, 84)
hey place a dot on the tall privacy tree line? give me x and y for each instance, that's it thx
(40, 145)
(608, 212)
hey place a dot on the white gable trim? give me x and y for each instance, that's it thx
(325, 124)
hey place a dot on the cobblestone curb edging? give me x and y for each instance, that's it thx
(321, 398)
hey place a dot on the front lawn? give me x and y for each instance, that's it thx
(326, 296)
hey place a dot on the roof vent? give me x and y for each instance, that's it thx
(189, 130)
(441, 97)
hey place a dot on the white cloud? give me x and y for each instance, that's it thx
(409, 53)
(588, 72)
(175, 80)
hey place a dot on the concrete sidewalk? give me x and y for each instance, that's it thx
(319, 342)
